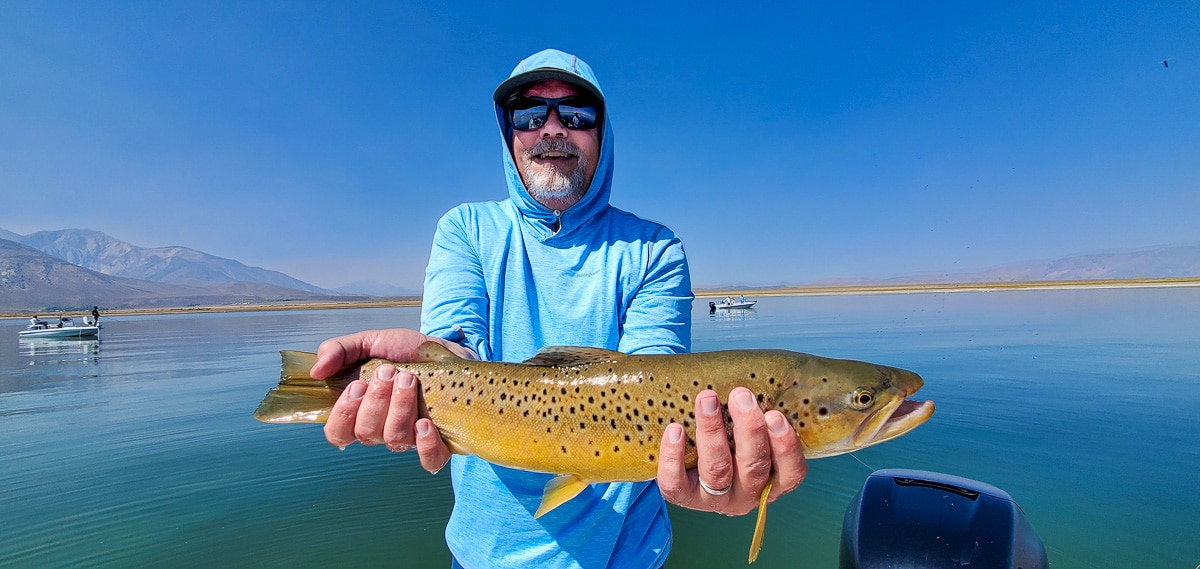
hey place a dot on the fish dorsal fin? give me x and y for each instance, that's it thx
(558, 490)
(562, 356)
(434, 352)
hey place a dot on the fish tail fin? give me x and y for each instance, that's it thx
(299, 398)
(760, 524)
(558, 491)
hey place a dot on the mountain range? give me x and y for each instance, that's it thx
(74, 269)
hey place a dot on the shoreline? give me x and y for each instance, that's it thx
(911, 288)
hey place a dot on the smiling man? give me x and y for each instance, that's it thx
(556, 265)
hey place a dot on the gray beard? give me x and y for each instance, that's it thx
(547, 182)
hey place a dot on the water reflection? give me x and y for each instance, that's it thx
(735, 314)
(58, 346)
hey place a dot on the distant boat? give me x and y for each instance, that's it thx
(731, 303)
(65, 328)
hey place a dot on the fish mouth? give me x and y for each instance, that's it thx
(894, 419)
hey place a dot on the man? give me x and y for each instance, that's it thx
(555, 264)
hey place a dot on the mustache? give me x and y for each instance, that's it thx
(552, 145)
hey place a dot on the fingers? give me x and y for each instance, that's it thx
(766, 446)
(385, 411)
(673, 481)
(430, 448)
(336, 353)
(787, 455)
(339, 427)
(714, 461)
(398, 432)
(753, 450)
(398, 345)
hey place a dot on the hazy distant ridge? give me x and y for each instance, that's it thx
(104, 254)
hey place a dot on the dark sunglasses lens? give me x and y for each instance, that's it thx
(574, 117)
(532, 118)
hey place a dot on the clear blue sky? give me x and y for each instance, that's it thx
(794, 143)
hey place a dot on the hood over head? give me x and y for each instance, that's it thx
(555, 64)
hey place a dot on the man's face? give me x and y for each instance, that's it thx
(556, 163)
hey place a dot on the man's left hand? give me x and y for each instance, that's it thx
(723, 481)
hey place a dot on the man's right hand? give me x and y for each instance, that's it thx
(383, 411)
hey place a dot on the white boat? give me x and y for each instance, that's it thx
(731, 303)
(64, 328)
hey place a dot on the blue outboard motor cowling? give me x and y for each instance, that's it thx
(907, 519)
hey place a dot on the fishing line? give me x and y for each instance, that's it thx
(855, 457)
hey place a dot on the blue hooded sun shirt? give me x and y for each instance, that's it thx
(502, 281)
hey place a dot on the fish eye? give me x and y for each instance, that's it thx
(862, 398)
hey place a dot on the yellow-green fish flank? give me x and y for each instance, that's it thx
(593, 415)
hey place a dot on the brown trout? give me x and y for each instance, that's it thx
(593, 415)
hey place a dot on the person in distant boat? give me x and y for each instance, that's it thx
(507, 278)
(36, 321)
(96, 316)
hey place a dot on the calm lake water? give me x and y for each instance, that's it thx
(139, 450)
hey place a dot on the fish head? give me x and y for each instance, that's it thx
(840, 406)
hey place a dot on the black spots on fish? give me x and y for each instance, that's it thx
(823, 411)
(564, 449)
(627, 398)
(468, 402)
(752, 376)
(591, 399)
(572, 409)
(582, 425)
(695, 383)
(652, 378)
(824, 380)
(616, 448)
(685, 397)
(597, 453)
(651, 457)
(710, 386)
(612, 423)
(627, 438)
(503, 396)
(761, 398)
(668, 385)
(556, 418)
(547, 429)
(771, 380)
(526, 413)
(806, 401)
(564, 391)
(802, 425)
(603, 406)
(650, 402)
(691, 415)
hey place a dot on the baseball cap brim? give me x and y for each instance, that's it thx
(516, 82)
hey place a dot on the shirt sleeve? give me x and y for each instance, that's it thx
(455, 302)
(658, 318)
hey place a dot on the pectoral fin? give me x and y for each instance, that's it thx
(558, 490)
(760, 525)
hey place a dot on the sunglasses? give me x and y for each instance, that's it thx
(574, 112)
